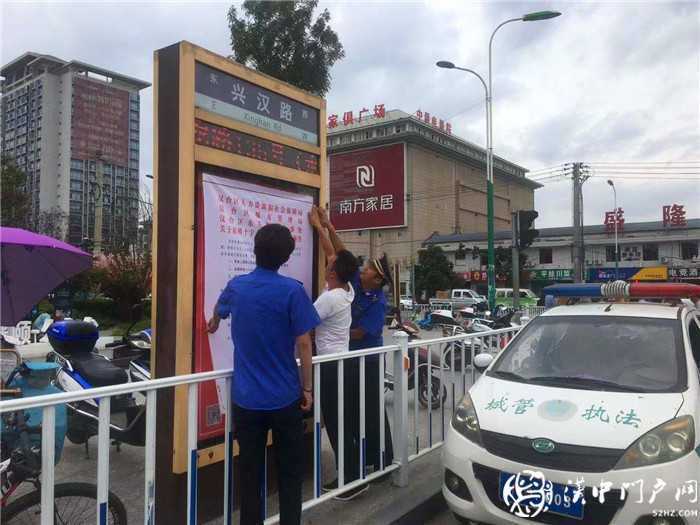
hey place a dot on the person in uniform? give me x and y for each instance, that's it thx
(270, 316)
(367, 324)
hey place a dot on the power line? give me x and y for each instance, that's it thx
(647, 162)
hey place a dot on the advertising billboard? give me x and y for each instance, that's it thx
(368, 188)
(100, 122)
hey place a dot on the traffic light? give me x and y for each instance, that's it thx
(526, 233)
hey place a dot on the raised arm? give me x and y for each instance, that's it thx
(326, 223)
(326, 244)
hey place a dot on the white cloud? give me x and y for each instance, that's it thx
(603, 82)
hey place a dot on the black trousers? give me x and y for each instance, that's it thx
(351, 408)
(251, 427)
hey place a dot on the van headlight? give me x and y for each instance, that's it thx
(466, 422)
(667, 442)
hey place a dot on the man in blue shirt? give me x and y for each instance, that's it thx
(368, 317)
(270, 315)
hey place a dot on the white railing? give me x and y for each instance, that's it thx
(442, 358)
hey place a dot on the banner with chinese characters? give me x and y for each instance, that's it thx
(553, 274)
(231, 213)
(99, 122)
(368, 188)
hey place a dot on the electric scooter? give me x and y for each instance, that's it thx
(81, 368)
(421, 368)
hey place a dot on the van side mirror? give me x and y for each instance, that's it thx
(482, 361)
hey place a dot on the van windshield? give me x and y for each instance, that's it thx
(597, 353)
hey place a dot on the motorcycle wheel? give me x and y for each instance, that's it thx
(434, 395)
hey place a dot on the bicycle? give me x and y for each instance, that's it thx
(20, 462)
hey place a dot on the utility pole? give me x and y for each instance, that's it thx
(579, 250)
(515, 263)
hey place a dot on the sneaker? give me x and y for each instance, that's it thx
(352, 493)
(328, 487)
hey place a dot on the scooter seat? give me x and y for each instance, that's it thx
(98, 371)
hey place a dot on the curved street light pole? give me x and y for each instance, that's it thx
(530, 17)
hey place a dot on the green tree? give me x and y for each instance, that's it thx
(282, 40)
(126, 280)
(15, 201)
(433, 271)
(504, 263)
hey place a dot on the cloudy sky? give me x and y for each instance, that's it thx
(612, 84)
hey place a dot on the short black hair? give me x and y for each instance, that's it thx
(274, 245)
(345, 265)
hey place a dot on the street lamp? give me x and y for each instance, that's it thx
(612, 185)
(530, 17)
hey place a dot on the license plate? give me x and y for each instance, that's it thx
(562, 501)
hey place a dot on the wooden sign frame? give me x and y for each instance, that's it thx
(175, 158)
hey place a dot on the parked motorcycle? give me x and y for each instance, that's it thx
(422, 368)
(81, 368)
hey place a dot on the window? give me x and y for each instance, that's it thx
(689, 250)
(484, 259)
(610, 254)
(694, 336)
(650, 252)
(545, 256)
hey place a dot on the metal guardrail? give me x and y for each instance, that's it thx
(448, 351)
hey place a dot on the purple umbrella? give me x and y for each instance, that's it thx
(31, 265)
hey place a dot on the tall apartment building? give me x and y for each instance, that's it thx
(73, 128)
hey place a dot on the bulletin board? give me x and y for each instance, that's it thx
(221, 130)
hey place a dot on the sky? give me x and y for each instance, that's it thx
(615, 85)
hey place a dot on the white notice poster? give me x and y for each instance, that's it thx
(233, 211)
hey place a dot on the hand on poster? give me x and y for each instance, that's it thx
(314, 218)
(323, 217)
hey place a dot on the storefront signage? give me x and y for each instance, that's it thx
(232, 141)
(240, 100)
(652, 273)
(367, 188)
(674, 215)
(349, 117)
(558, 274)
(434, 121)
(611, 217)
(683, 274)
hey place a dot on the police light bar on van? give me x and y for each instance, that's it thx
(617, 289)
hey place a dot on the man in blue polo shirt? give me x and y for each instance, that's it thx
(270, 315)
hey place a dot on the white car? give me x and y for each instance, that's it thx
(596, 401)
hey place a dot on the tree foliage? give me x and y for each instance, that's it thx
(15, 203)
(504, 263)
(126, 278)
(282, 40)
(433, 271)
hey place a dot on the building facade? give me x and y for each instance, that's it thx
(648, 251)
(395, 178)
(73, 128)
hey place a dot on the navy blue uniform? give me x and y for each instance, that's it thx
(268, 312)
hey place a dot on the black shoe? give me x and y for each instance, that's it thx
(352, 493)
(328, 487)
